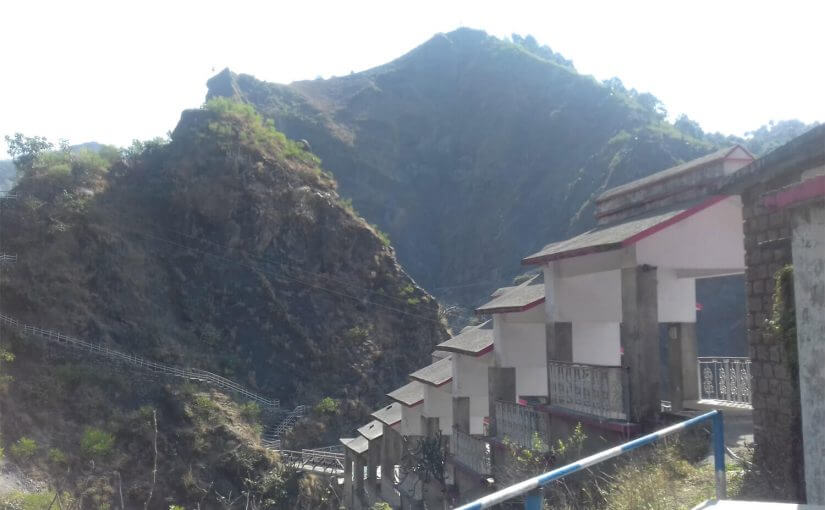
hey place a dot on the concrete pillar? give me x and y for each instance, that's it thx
(358, 468)
(391, 451)
(429, 426)
(640, 343)
(347, 496)
(808, 245)
(461, 414)
(559, 341)
(373, 461)
(501, 382)
(682, 355)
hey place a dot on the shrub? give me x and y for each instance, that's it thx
(327, 405)
(56, 457)
(251, 412)
(24, 449)
(96, 442)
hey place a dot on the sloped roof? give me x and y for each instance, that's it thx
(474, 341)
(388, 415)
(439, 354)
(521, 298)
(409, 395)
(436, 374)
(670, 172)
(616, 236)
(805, 151)
(357, 444)
(372, 430)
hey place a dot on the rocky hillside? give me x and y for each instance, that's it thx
(470, 151)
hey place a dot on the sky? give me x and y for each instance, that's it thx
(114, 71)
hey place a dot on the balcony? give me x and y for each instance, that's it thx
(594, 390)
(470, 452)
(725, 379)
(520, 424)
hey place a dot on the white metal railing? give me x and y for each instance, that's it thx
(596, 390)
(192, 374)
(520, 424)
(471, 452)
(725, 378)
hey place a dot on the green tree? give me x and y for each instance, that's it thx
(96, 442)
(25, 150)
(24, 449)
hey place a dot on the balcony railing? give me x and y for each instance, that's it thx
(595, 390)
(521, 424)
(471, 452)
(726, 379)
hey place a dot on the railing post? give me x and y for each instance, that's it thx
(719, 455)
(534, 499)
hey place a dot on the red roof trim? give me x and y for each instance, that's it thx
(630, 240)
(672, 221)
(510, 309)
(796, 193)
(480, 353)
(428, 383)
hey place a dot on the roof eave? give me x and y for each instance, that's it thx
(509, 309)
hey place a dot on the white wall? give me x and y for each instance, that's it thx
(411, 420)
(596, 343)
(470, 380)
(676, 296)
(588, 297)
(712, 238)
(522, 345)
(438, 403)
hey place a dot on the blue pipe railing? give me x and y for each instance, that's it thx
(532, 486)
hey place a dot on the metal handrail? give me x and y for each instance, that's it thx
(532, 486)
(194, 374)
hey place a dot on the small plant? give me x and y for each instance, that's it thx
(327, 405)
(96, 442)
(380, 505)
(251, 412)
(24, 449)
(56, 457)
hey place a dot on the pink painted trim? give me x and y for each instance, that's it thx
(672, 221)
(510, 309)
(422, 381)
(800, 192)
(630, 240)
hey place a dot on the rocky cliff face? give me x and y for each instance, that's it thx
(226, 249)
(471, 152)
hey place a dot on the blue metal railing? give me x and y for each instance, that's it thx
(532, 486)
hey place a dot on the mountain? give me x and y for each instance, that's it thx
(226, 249)
(471, 151)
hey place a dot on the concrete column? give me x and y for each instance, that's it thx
(373, 461)
(391, 451)
(808, 245)
(358, 468)
(682, 355)
(461, 414)
(640, 343)
(559, 341)
(501, 382)
(347, 497)
(429, 426)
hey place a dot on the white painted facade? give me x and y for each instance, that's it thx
(438, 403)
(520, 342)
(470, 380)
(411, 420)
(586, 290)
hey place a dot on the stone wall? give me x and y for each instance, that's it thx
(775, 384)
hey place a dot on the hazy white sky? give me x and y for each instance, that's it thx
(113, 71)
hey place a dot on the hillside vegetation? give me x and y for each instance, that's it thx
(225, 248)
